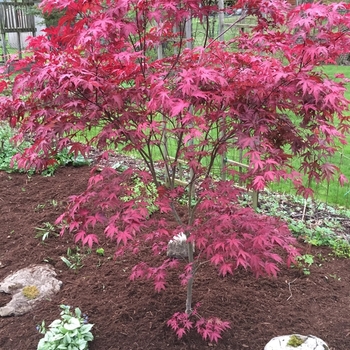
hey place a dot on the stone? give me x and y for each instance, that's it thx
(40, 276)
(177, 247)
(296, 342)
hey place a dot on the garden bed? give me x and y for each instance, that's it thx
(131, 315)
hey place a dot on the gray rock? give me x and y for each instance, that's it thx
(308, 342)
(40, 276)
(177, 247)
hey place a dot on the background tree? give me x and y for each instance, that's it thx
(96, 82)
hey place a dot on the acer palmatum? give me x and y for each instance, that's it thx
(98, 73)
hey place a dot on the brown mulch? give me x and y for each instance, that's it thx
(131, 315)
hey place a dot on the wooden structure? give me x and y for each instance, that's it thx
(15, 17)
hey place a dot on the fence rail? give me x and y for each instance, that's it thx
(15, 17)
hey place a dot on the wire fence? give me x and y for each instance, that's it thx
(329, 192)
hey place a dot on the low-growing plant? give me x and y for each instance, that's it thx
(40, 207)
(71, 332)
(335, 276)
(321, 232)
(341, 247)
(74, 258)
(299, 228)
(100, 251)
(64, 158)
(303, 263)
(8, 148)
(54, 203)
(321, 236)
(147, 191)
(47, 229)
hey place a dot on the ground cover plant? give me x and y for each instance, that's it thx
(101, 67)
(313, 221)
(71, 332)
(9, 149)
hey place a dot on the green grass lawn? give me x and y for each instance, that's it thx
(329, 192)
(332, 192)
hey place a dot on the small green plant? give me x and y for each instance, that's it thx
(295, 341)
(299, 228)
(71, 332)
(337, 278)
(64, 158)
(74, 259)
(40, 207)
(323, 232)
(30, 292)
(341, 248)
(321, 236)
(100, 251)
(303, 263)
(149, 191)
(8, 149)
(54, 203)
(45, 231)
(48, 260)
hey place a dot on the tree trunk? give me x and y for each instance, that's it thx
(190, 281)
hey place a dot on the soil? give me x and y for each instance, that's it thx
(130, 314)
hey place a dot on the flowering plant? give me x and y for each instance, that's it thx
(71, 332)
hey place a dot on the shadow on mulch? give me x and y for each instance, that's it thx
(131, 315)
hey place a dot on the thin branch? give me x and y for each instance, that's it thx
(226, 30)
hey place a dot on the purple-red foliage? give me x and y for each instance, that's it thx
(211, 328)
(95, 82)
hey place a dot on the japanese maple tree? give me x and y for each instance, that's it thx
(123, 75)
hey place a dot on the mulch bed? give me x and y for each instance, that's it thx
(131, 315)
